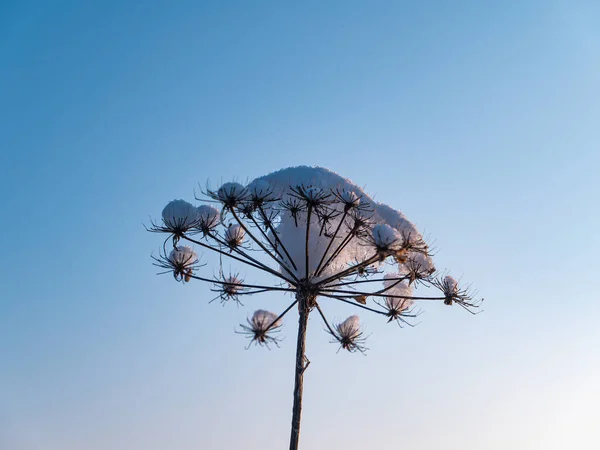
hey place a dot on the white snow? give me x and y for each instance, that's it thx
(180, 214)
(261, 320)
(385, 236)
(451, 284)
(389, 222)
(208, 216)
(183, 256)
(231, 190)
(235, 234)
(350, 327)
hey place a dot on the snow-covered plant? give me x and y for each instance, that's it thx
(323, 240)
(261, 328)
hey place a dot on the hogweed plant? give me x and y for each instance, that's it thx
(323, 240)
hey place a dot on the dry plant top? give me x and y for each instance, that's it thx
(321, 237)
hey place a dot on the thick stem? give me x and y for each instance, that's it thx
(301, 365)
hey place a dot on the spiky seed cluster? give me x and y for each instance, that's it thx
(419, 267)
(397, 302)
(229, 288)
(178, 217)
(260, 192)
(385, 239)
(230, 194)
(234, 236)
(349, 199)
(312, 197)
(181, 261)
(294, 207)
(349, 335)
(453, 293)
(208, 219)
(261, 327)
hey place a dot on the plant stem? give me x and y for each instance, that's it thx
(301, 365)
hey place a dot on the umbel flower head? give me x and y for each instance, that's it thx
(230, 288)
(208, 218)
(385, 239)
(262, 327)
(181, 261)
(178, 218)
(234, 236)
(316, 233)
(349, 335)
(230, 194)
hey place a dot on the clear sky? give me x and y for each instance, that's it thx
(479, 120)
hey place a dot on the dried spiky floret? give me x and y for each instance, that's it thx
(349, 335)
(262, 327)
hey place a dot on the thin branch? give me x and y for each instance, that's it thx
(271, 243)
(307, 238)
(339, 250)
(324, 319)
(257, 264)
(281, 315)
(375, 294)
(246, 255)
(375, 280)
(262, 246)
(330, 242)
(343, 299)
(268, 222)
(349, 271)
(243, 285)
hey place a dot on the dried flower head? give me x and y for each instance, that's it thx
(260, 192)
(182, 261)
(453, 293)
(385, 239)
(294, 207)
(208, 218)
(178, 217)
(311, 196)
(418, 267)
(230, 194)
(261, 327)
(349, 335)
(398, 302)
(229, 288)
(234, 236)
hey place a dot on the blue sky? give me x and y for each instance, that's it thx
(479, 120)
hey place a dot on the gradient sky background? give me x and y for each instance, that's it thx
(479, 120)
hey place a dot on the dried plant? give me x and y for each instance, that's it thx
(323, 240)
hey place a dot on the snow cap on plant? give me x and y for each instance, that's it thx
(183, 260)
(234, 236)
(179, 216)
(349, 335)
(418, 266)
(261, 327)
(260, 192)
(398, 293)
(348, 198)
(450, 289)
(231, 194)
(208, 218)
(385, 239)
(229, 288)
